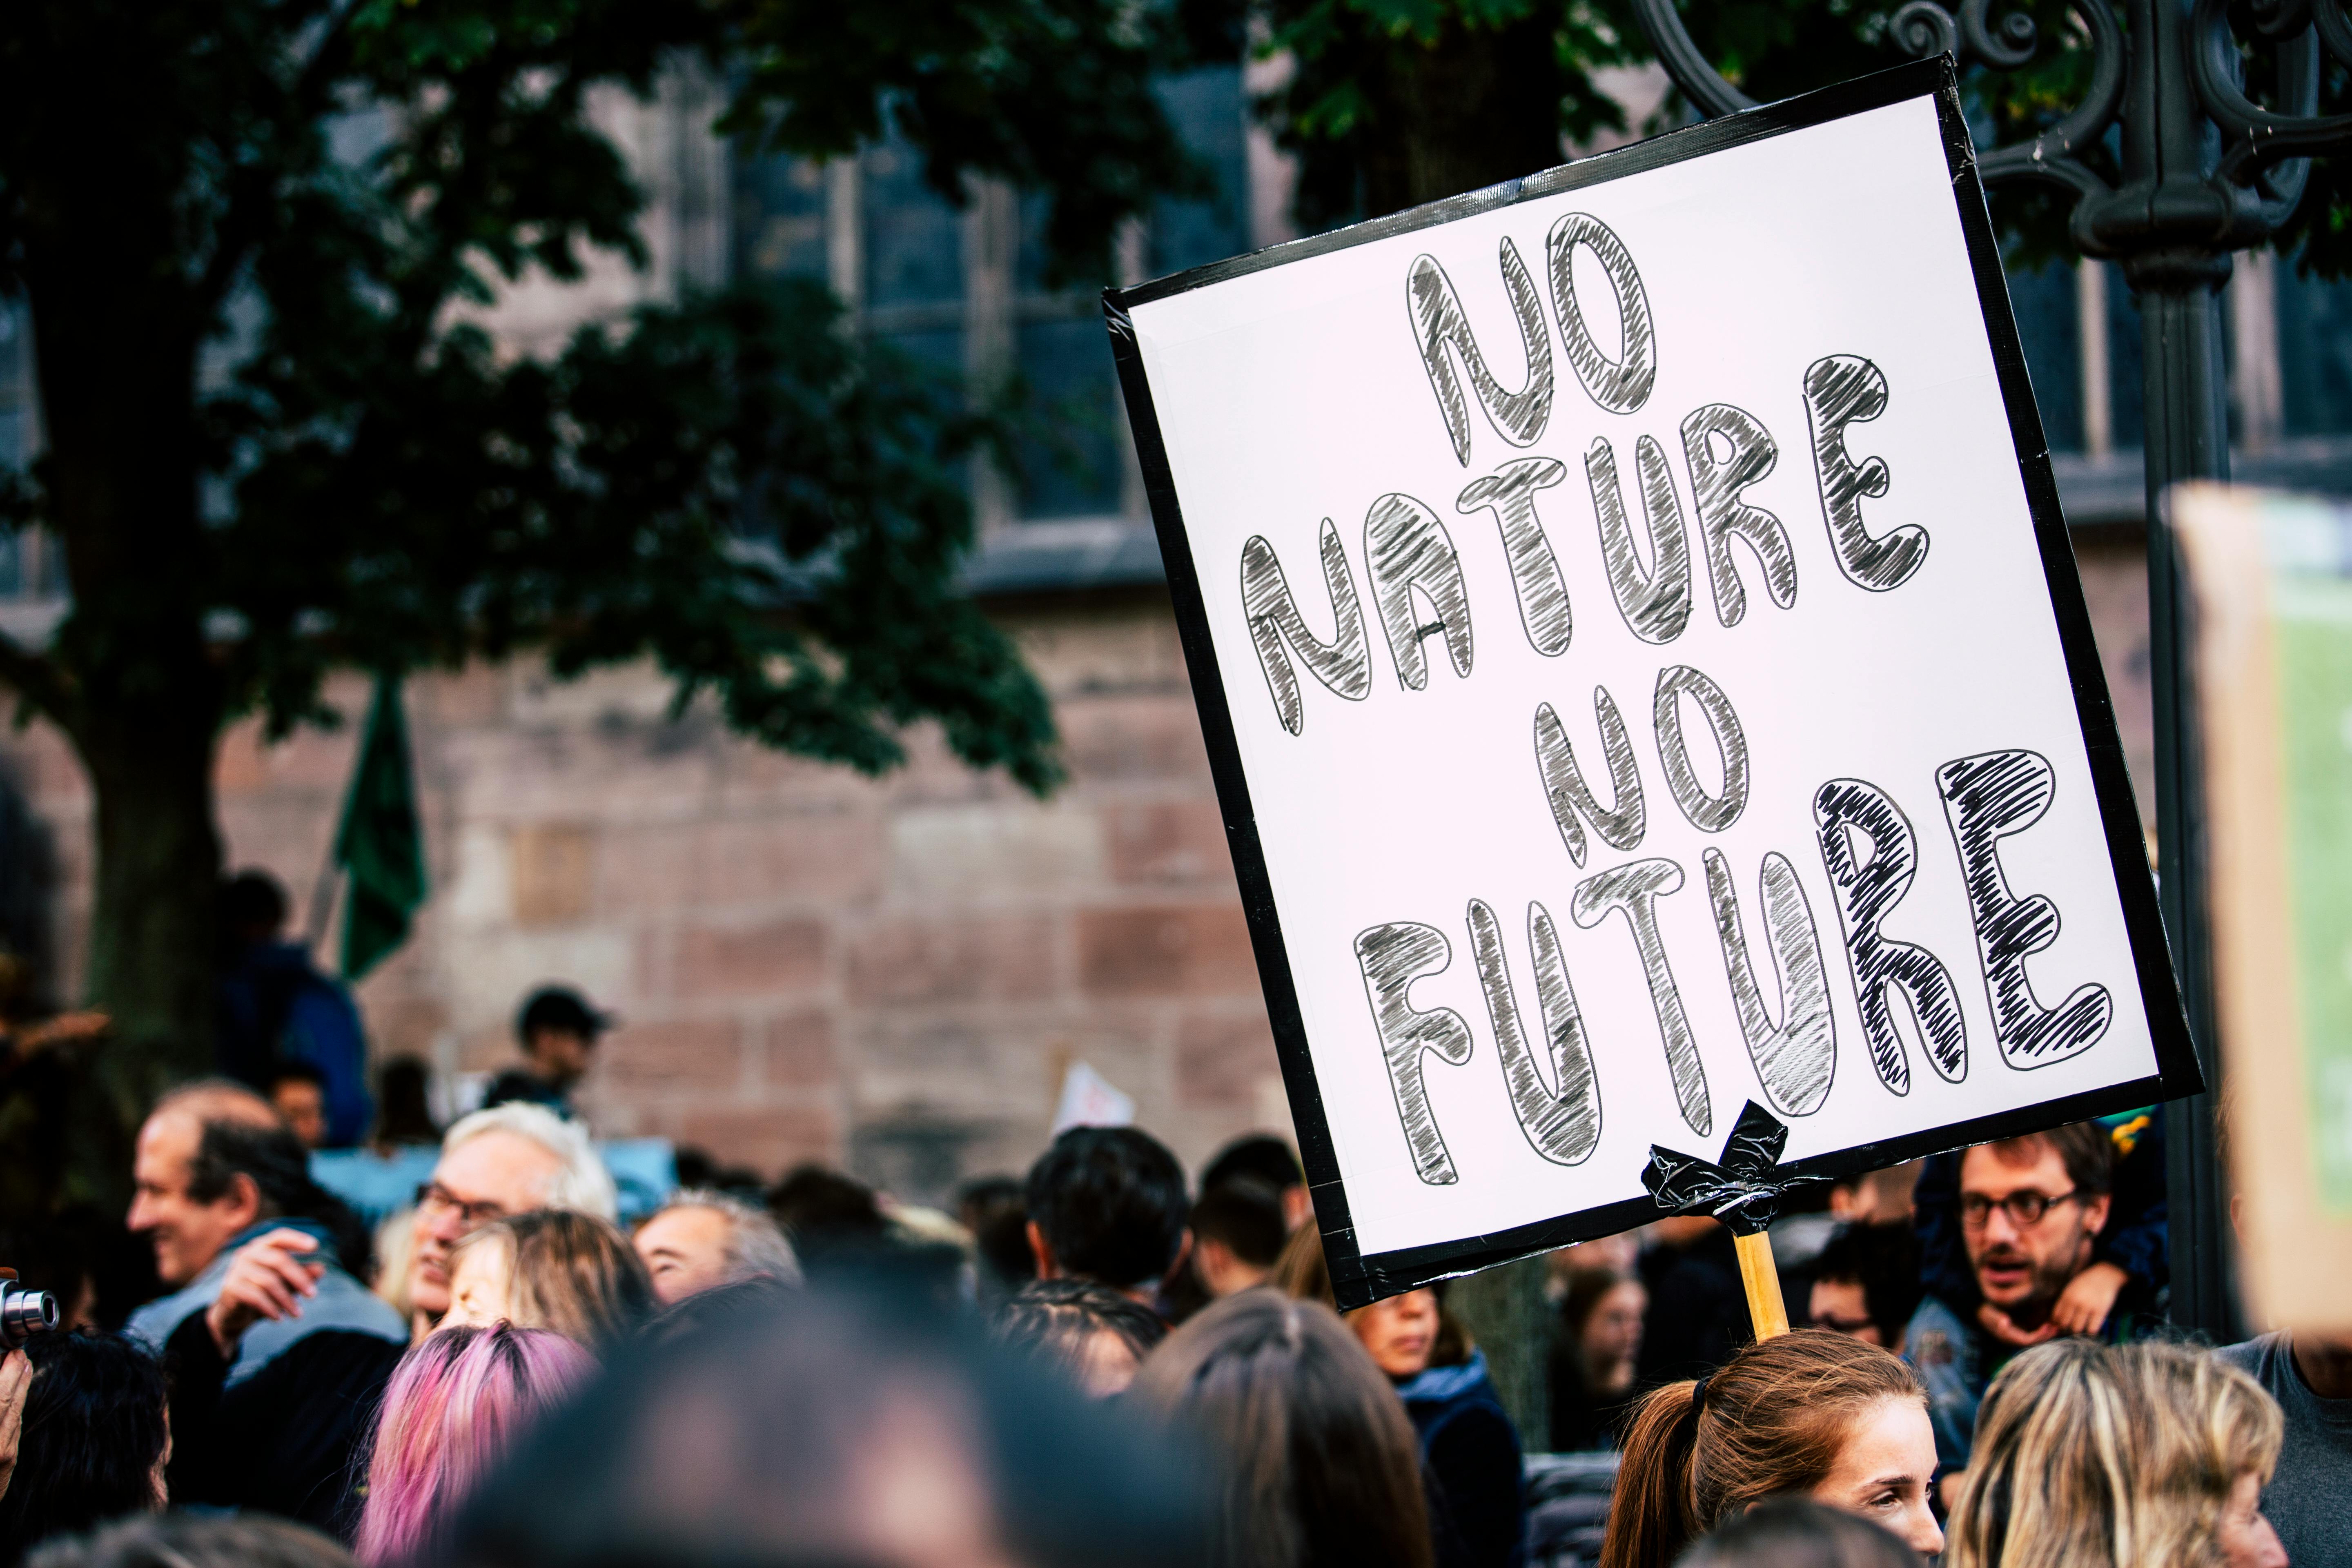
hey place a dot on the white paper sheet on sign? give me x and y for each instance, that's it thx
(1419, 819)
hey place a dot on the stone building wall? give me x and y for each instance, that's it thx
(888, 974)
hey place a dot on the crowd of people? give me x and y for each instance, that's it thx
(1104, 1361)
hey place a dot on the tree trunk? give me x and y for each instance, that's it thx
(152, 940)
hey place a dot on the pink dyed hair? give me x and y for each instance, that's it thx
(455, 1406)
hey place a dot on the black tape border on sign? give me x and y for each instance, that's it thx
(1360, 1281)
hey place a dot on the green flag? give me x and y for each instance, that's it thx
(379, 846)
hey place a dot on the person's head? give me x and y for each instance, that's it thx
(2030, 1208)
(824, 1213)
(1091, 1333)
(1812, 1412)
(558, 1030)
(95, 1438)
(1798, 1532)
(991, 1209)
(1877, 1197)
(552, 1269)
(455, 1405)
(1263, 1157)
(1866, 1283)
(195, 1540)
(1399, 1332)
(496, 1164)
(404, 1110)
(702, 1239)
(2092, 1456)
(1321, 1465)
(819, 1426)
(1107, 1204)
(213, 1159)
(298, 1092)
(1238, 1235)
(1602, 1312)
(252, 908)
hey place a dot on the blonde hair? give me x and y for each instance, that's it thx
(1771, 1419)
(2091, 1455)
(570, 1272)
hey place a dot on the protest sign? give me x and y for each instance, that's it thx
(2271, 577)
(1645, 673)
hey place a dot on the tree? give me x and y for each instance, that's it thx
(247, 230)
(1394, 102)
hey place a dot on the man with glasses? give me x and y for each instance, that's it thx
(509, 1160)
(2031, 1212)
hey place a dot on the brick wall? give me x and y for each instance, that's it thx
(889, 974)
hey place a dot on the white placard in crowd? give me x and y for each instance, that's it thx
(1643, 664)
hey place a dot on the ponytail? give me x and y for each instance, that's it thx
(1651, 1516)
(1771, 1419)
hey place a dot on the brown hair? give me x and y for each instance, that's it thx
(2086, 1148)
(570, 1272)
(1304, 1274)
(1321, 1467)
(1771, 1420)
(2092, 1456)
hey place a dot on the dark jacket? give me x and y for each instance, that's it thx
(274, 1006)
(1470, 1464)
(1698, 1310)
(278, 1427)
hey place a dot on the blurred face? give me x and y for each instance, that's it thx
(1839, 1304)
(490, 1176)
(480, 1288)
(685, 1250)
(186, 1235)
(560, 1055)
(304, 1107)
(1883, 1469)
(1399, 1332)
(2018, 1261)
(1612, 1337)
(2247, 1540)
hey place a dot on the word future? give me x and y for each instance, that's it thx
(1867, 843)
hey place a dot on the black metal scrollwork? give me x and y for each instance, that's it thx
(2249, 190)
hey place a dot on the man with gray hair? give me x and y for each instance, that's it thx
(506, 1160)
(701, 1239)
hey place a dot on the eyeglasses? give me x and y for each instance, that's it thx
(2024, 1209)
(1836, 1324)
(433, 1200)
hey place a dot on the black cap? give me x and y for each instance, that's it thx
(561, 1009)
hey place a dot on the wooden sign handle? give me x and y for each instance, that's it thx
(1761, 1276)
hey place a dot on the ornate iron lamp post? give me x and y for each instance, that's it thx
(2206, 172)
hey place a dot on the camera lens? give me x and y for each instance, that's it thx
(23, 1313)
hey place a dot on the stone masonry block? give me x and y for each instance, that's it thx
(553, 868)
(1131, 738)
(974, 958)
(1222, 1061)
(800, 1050)
(987, 848)
(1169, 841)
(769, 1138)
(673, 1056)
(1186, 950)
(776, 958)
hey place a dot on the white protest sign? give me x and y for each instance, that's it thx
(1644, 670)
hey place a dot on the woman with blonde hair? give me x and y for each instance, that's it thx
(553, 1268)
(1812, 1412)
(2144, 1456)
